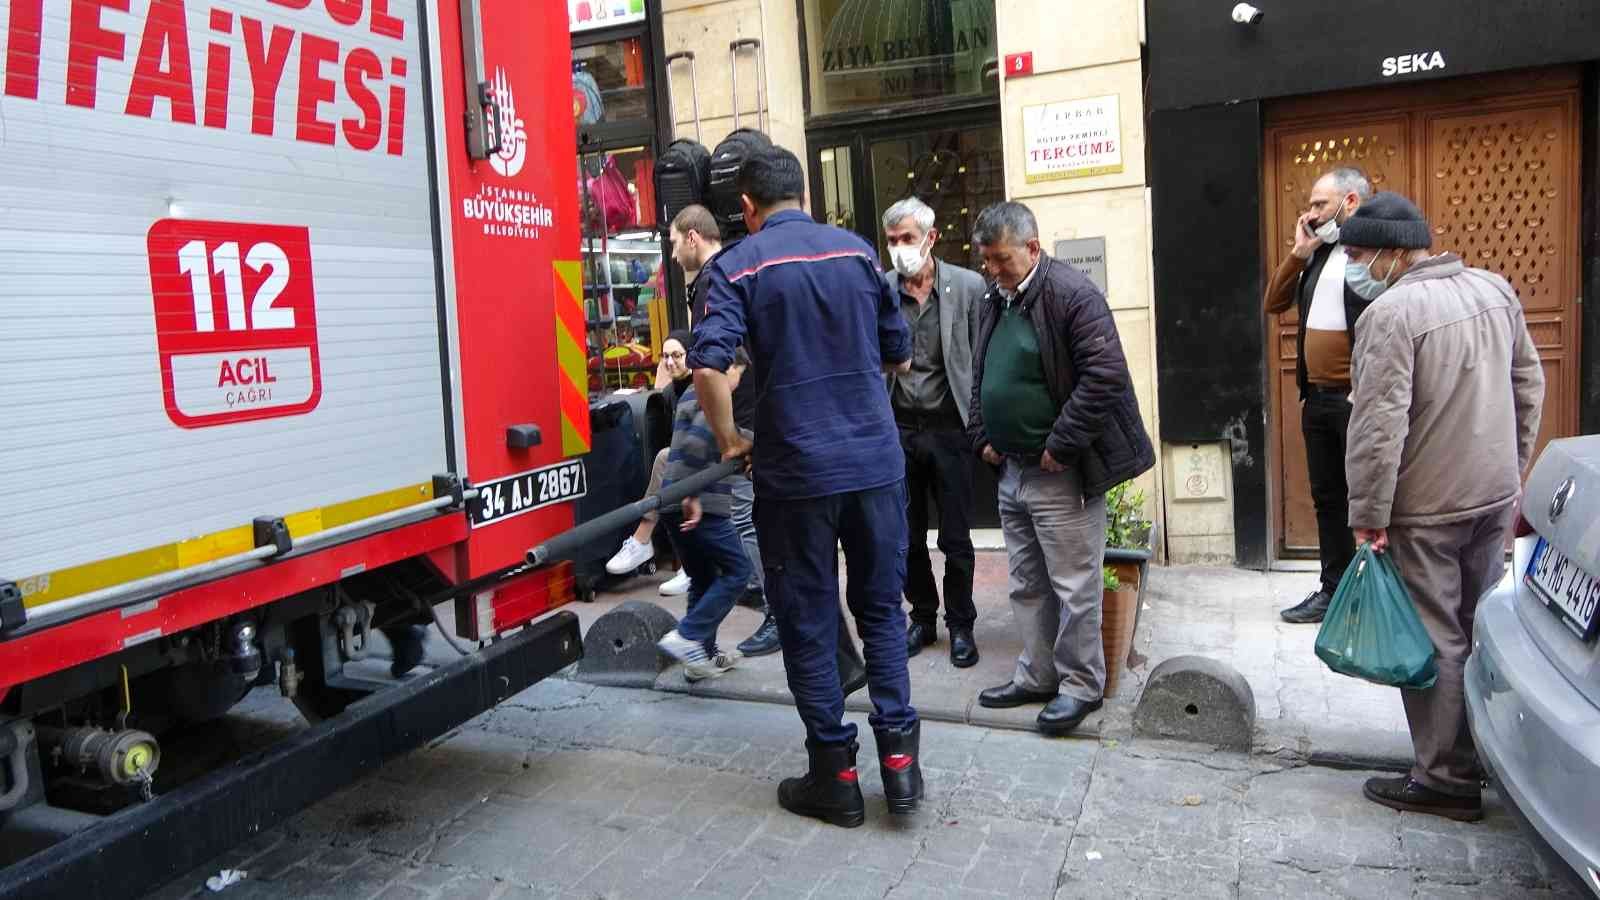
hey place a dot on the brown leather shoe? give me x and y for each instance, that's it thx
(1409, 795)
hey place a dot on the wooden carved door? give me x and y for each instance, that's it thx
(1493, 162)
(1503, 192)
(1297, 158)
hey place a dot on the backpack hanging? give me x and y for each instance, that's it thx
(723, 190)
(682, 176)
(588, 107)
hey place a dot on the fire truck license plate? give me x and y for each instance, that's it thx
(508, 497)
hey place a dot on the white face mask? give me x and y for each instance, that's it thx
(908, 260)
(1328, 232)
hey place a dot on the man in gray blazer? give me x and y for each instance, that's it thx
(940, 304)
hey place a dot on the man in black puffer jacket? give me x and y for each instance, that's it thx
(1053, 407)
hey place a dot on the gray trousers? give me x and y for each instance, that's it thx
(1055, 545)
(1447, 568)
(744, 519)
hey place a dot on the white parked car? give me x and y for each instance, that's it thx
(1533, 681)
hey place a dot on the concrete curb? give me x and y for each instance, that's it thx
(1018, 719)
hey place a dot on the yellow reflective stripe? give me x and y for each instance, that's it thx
(49, 587)
(572, 364)
(570, 271)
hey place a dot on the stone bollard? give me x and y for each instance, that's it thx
(619, 649)
(1192, 698)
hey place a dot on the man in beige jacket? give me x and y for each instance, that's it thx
(1447, 394)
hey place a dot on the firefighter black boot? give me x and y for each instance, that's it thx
(902, 771)
(830, 791)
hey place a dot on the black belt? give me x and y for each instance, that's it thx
(942, 420)
(1330, 389)
(1026, 459)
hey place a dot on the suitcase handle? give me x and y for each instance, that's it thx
(694, 92)
(761, 79)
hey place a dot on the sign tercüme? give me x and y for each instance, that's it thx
(1072, 139)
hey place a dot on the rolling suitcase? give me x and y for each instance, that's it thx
(683, 171)
(730, 154)
(626, 431)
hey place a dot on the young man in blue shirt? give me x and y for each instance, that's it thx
(812, 308)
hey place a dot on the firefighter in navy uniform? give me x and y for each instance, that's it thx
(812, 308)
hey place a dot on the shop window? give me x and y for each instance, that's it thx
(957, 171)
(610, 82)
(838, 187)
(624, 291)
(873, 53)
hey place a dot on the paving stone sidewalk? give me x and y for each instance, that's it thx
(574, 791)
(1304, 711)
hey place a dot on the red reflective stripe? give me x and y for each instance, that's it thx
(820, 257)
(848, 776)
(899, 762)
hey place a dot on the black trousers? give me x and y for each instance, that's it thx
(938, 460)
(1324, 422)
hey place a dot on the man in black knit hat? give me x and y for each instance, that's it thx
(1447, 390)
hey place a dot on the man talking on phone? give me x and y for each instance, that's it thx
(1311, 279)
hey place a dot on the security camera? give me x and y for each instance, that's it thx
(1245, 14)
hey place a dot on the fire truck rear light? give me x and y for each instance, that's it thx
(483, 609)
(516, 602)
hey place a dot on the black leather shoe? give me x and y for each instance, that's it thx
(1008, 695)
(763, 640)
(1408, 795)
(898, 762)
(1064, 714)
(918, 636)
(830, 791)
(1308, 611)
(963, 649)
(852, 668)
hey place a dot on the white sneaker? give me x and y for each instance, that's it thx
(677, 586)
(632, 555)
(697, 666)
(727, 659)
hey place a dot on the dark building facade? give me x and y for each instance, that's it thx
(1488, 121)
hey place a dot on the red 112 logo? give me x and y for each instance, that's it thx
(236, 321)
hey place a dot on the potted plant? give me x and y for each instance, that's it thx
(1127, 534)
(1127, 565)
(1119, 616)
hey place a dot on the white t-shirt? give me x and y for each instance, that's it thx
(1327, 298)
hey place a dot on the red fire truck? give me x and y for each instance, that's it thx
(291, 354)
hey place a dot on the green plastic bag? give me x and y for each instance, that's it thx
(1372, 630)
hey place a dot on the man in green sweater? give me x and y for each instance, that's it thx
(1053, 408)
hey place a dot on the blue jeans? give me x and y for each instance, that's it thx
(718, 569)
(799, 547)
